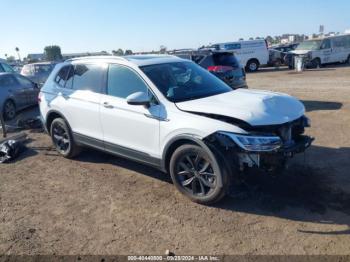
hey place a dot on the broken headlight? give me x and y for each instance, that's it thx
(255, 143)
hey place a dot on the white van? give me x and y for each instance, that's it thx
(251, 54)
(333, 49)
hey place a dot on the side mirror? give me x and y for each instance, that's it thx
(138, 99)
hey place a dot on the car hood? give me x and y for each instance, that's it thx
(254, 107)
(300, 52)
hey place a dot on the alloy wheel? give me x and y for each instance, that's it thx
(9, 110)
(196, 174)
(60, 138)
(253, 66)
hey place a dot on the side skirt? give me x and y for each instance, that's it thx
(117, 150)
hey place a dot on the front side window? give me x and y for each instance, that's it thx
(326, 44)
(87, 77)
(123, 82)
(182, 81)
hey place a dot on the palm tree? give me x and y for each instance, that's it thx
(17, 50)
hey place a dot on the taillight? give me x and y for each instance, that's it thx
(220, 69)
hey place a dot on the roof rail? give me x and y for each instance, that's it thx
(96, 57)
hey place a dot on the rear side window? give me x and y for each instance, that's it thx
(123, 82)
(226, 60)
(88, 77)
(206, 62)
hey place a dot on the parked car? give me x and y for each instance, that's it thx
(317, 52)
(6, 68)
(174, 115)
(222, 64)
(16, 93)
(251, 54)
(278, 54)
(38, 72)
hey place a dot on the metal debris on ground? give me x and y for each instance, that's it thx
(30, 123)
(9, 150)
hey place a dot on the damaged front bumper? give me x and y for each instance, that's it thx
(265, 147)
(273, 160)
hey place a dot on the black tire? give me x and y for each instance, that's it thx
(198, 174)
(252, 65)
(9, 110)
(316, 63)
(62, 139)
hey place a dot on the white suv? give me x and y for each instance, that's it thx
(171, 114)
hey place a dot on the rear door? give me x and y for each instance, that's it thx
(10, 88)
(79, 97)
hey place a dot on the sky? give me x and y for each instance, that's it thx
(145, 25)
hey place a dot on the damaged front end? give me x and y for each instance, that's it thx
(265, 147)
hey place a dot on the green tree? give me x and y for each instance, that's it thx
(118, 52)
(10, 59)
(52, 53)
(128, 52)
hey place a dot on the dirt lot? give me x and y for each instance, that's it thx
(99, 204)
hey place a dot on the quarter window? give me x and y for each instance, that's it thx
(62, 75)
(123, 82)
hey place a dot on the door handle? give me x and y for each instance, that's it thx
(107, 105)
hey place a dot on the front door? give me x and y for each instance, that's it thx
(129, 130)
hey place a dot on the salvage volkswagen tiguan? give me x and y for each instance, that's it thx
(171, 114)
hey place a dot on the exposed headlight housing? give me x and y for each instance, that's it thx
(256, 143)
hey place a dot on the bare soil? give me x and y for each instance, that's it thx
(100, 204)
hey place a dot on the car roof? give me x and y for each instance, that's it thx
(43, 63)
(139, 60)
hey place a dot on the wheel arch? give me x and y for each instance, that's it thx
(175, 143)
(51, 116)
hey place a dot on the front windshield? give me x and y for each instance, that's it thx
(182, 81)
(309, 45)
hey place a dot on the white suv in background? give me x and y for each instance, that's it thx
(173, 115)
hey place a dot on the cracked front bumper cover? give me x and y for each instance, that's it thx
(299, 146)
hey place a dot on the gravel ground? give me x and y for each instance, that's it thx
(100, 204)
